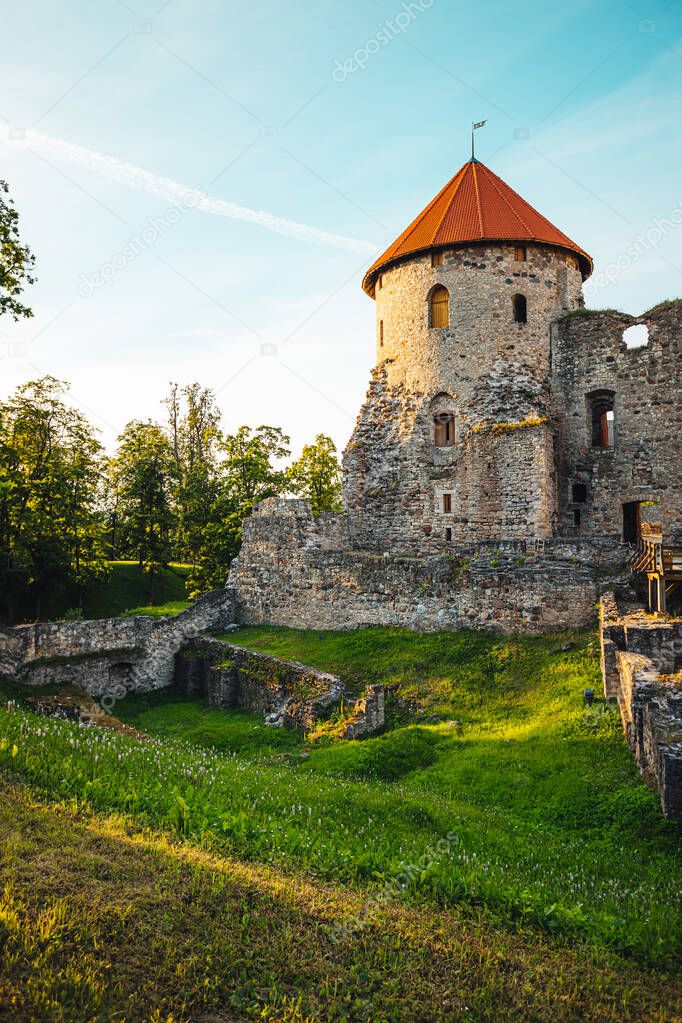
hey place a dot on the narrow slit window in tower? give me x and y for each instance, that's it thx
(381, 333)
(440, 307)
(579, 493)
(520, 309)
(448, 534)
(447, 503)
(576, 516)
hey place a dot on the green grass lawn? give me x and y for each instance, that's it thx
(100, 921)
(496, 801)
(171, 713)
(126, 589)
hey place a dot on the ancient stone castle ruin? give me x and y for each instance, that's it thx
(510, 446)
(514, 460)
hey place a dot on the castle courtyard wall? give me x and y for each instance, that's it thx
(289, 573)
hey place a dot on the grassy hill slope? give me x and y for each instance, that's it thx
(100, 921)
(494, 855)
(124, 588)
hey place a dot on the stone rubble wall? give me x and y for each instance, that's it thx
(288, 574)
(645, 463)
(110, 655)
(285, 692)
(642, 670)
(289, 693)
(368, 714)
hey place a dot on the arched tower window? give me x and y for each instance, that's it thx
(520, 309)
(439, 307)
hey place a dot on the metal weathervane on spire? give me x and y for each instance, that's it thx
(474, 126)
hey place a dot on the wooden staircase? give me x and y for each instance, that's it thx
(661, 565)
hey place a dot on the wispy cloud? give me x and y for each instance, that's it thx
(129, 174)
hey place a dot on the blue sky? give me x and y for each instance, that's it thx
(333, 122)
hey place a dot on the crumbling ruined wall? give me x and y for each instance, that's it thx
(285, 692)
(499, 474)
(287, 574)
(642, 670)
(111, 654)
(645, 463)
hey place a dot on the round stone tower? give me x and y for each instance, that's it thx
(465, 296)
(454, 439)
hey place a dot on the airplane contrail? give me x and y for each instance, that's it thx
(137, 177)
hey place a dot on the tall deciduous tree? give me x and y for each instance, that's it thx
(316, 475)
(193, 419)
(16, 260)
(247, 474)
(144, 474)
(51, 529)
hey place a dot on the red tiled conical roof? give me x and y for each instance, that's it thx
(475, 206)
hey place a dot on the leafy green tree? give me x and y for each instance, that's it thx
(16, 260)
(143, 475)
(247, 474)
(316, 475)
(194, 430)
(51, 527)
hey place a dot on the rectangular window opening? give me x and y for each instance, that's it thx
(447, 503)
(436, 259)
(520, 254)
(444, 430)
(448, 534)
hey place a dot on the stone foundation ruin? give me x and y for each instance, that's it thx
(641, 660)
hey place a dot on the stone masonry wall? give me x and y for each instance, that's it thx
(642, 669)
(645, 463)
(108, 655)
(484, 356)
(287, 573)
(499, 476)
(285, 692)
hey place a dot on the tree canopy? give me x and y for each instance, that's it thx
(51, 490)
(16, 260)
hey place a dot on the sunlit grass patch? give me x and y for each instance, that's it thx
(554, 828)
(100, 920)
